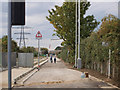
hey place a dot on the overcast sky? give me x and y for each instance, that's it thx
(36, 13)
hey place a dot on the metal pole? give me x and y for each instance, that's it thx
(24, 37)
(76, 36)
(20, 37)
(109, 63)
(79, 59)
(38, 51)
(9, 44)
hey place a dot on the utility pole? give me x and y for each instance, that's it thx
(79, 59)
(76, 33)
(9, 44)
(22, 35)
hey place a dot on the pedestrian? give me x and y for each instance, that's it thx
(51, 58)
(55, 59)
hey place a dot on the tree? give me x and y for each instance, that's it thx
(58, 48)
(109, 32)
(92, 51)
(109, 29)
(15, 48)
(27, 50)
(0, 45)
(64, 20)
(44, 51)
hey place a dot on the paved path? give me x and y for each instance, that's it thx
(15, 73)
(57, 75)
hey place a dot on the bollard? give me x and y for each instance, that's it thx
(86, 74)
(79, 63)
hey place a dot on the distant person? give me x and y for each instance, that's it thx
(47, 56)
(55, 59)
(51, 58)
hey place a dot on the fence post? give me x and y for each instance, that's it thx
(109, 63)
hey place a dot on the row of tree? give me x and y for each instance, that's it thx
(93, 53)
(15, 47)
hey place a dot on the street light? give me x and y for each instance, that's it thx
(106, 44)
(76, 35)
(79, 59)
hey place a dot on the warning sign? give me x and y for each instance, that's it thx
(39, 35)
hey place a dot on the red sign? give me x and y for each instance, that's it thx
(38, 35)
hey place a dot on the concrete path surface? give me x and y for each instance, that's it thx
(57, 75)
(15, 73)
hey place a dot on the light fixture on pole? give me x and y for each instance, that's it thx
(79, 59)
(76, 34)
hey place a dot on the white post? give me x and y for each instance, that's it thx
(79, 59)
(76, 36)
(109, 63)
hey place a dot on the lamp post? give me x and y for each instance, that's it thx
(79, 59)
(76, 34)
(109, 62)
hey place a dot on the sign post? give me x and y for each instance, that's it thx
(38, 36)
(14, 18)
(9, 45)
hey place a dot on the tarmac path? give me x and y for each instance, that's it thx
(57, 75)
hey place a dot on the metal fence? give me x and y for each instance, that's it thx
(25, 60)
(4, 58)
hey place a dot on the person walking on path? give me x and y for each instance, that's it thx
(51, 58)
(55, 59)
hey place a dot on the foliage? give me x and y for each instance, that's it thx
(110, 33)
(63, 55)
(15, 48)
(92, 49)
(58, 48)
(27, 50)
(0, 45)
(64, 20)
(44, 51)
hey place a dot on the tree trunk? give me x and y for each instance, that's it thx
(113, 73)
(98, 66)
(101, 68)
